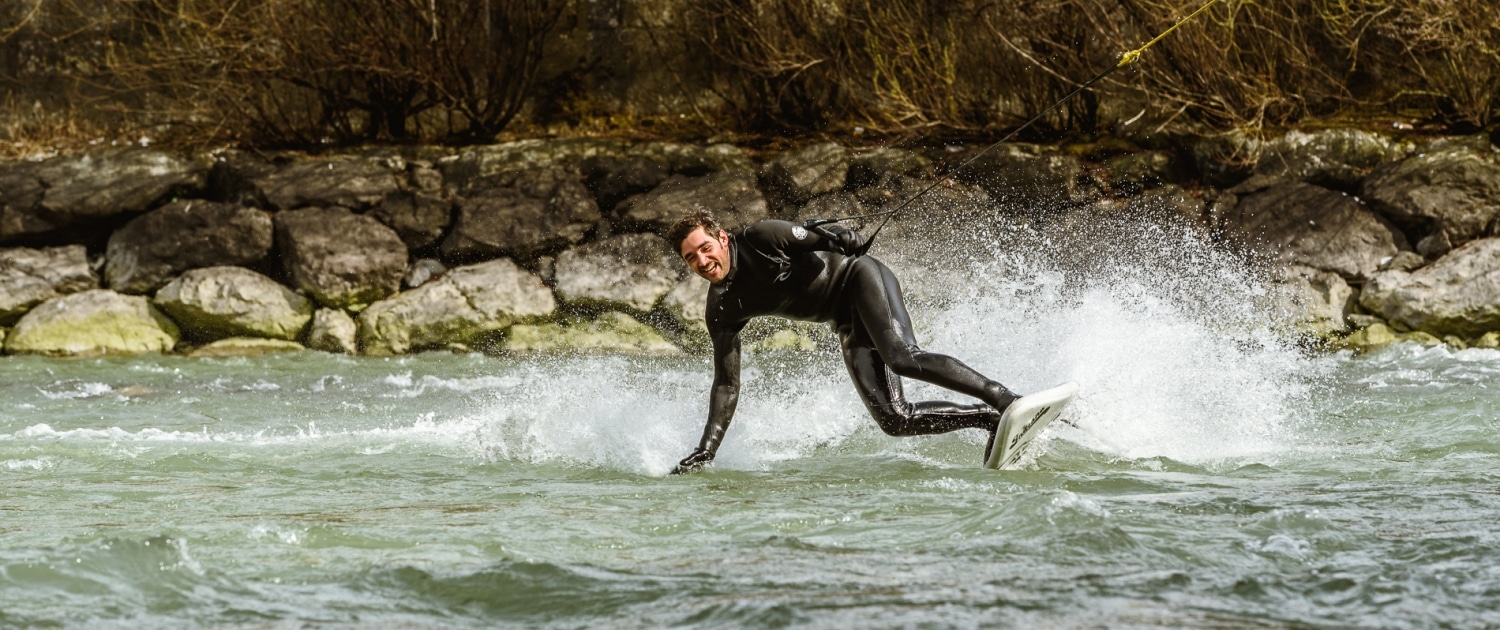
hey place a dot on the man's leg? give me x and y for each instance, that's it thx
(874, 331)
(880, 389)
(877, 310)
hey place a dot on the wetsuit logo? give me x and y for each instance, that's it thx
(798, 232)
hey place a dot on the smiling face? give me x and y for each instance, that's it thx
(705, 255)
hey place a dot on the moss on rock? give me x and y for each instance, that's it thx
(610, 332)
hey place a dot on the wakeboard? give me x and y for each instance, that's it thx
(1024, 420)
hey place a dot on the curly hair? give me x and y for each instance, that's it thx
(692, 221)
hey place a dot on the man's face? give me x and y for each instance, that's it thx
(705, 255)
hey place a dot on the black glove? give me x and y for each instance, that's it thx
(698, 459)
(849, 242)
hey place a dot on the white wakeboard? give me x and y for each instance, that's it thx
(1025, 419)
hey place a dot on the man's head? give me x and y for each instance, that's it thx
(702, 244)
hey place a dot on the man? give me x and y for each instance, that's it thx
(821, 275)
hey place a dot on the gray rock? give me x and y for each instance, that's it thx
(627, 272)
(20, 203)
(347, 182)
(423, 270)
(868, 166)
(1018, 176)
(469, 305)
(523, 155)
(613, 179)
(341, 259)
(694, 158)
(103, 184)
(1137, 171)
(92, 323)
(419, 218)
(540, 210)
(1316, 301)
(1459, 294)
(687, 302)
(610, 332)
(1404, 261)
(156, 246)
(245, 347)
(807, 172)
(731, 196)
(945, 207)
(1332, 158)
(31, 276)
(1313, 226)
(1223, 160)
(217, 302)
(1456, 192)
(333, 330)
(1435, 245)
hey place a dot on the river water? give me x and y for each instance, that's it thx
(1213, 475)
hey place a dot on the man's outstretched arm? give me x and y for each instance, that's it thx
(792, 238)
(722, 399)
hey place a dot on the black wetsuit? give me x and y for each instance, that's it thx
(780, 268)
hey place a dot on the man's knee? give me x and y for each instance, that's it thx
(902, 360)
(894, 420)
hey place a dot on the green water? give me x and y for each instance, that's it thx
(454, 491)
(1213, 474)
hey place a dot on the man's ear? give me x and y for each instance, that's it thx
(724, 237)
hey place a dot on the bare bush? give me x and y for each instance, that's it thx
(288, 71)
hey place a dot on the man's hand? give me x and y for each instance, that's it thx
(698, 459)
(849, 242)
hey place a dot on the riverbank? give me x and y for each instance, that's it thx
(546, 246)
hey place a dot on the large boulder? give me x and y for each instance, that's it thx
(31, 276)
(419, 218)
(868, 166)
(156, 246)
(1023, 177)
(807, 172)
(218, 302)
(341, 259)
(91, 323)
(1455, 193)
(1313, 226)
(540, 210)
(20, 204)
(1316, 301)
(731, 196)
(614, 179)
(1332, 158)
(349, 182)
(469, 305)
(103, 184)
(1459, 294)
(627, 272)
(611, 332)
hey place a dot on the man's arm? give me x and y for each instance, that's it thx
(723, 397)
(791, 238)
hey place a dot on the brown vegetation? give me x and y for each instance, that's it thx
(294, 72)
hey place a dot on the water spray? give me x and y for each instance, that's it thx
(1126, 59)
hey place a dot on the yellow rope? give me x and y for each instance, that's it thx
(1130, 57)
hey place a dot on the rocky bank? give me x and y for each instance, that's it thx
(554, 245)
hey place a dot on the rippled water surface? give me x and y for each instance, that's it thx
(1213, 476)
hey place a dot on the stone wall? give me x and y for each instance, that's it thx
(553, 245)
